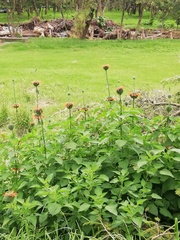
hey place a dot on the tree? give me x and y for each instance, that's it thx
(176, 12)
(84, 14)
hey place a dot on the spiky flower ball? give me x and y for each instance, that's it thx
(120, 90)
(69, 105)
(106, 67)
(134, 95)
(36, 83)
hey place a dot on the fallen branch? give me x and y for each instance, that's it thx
(165, 232)
(166, 103)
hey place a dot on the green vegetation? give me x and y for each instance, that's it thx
(102, 173)
(71, 65)
(76, 164)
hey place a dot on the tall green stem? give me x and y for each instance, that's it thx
(43, 138)
(107, 84)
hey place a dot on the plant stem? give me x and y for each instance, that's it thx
(44, 140)
(70, 116)
(37, 99)
(120, 105)
(107, 84)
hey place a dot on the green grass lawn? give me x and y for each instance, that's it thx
(71, 66)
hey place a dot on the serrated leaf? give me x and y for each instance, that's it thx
(104, 177)
(49, 177)
(165, 212)
(156, 196)
(71, 145)
(112, 209)
(157, 151)
(105, 140)
(32, 219)
(141, 163)
(84, 207)
(152, 209)
(54, 208)
(22, 185)
(121, 143)
(177, 150)
(138, 221)
(138, 140)
(43, 217)
(58, 160)
(166, 172)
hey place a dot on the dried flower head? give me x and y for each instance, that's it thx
(106, 67)
(11, 127)
(36, 83)
(32, 124)
(110, 99)
(16, 170)
(10, 194)
(15, 105)
(38, 113)
(134, 95)
(120, 90)
(69, 105)
(85, 109)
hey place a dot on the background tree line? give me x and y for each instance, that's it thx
(85, 10)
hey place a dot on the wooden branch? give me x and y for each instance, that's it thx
(166, 103)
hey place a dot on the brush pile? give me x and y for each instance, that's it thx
(64, 28)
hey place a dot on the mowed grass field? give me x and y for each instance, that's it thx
(71, 66)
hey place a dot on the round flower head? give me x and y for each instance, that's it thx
(69, 105)
(120, 90)
(15, 105)
(134, 95)
(106, 67)
(36, 83)
(110, 99)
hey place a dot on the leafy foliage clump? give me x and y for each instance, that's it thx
(114, 172)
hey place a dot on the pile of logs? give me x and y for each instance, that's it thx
(64, 28)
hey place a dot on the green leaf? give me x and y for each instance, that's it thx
(84, 207)
(166, 172)
(151, 208)
(58, 160)
(177, 150)
(169, 184)
(112, 209)
(98, 191)
(141, 163)
(43, 217)
(32, 219)
(49, 177)
(121, 143)
(22, 185)
(105, 140)
(71, 145)
(156, 151)
(165, 212)
(104, 177)
(54, 208)
(139, 140)
(156, 196)
(138, 221)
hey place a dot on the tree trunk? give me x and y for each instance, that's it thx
(122, 18)
(141, 10)
(35, 8)
(87, 23)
